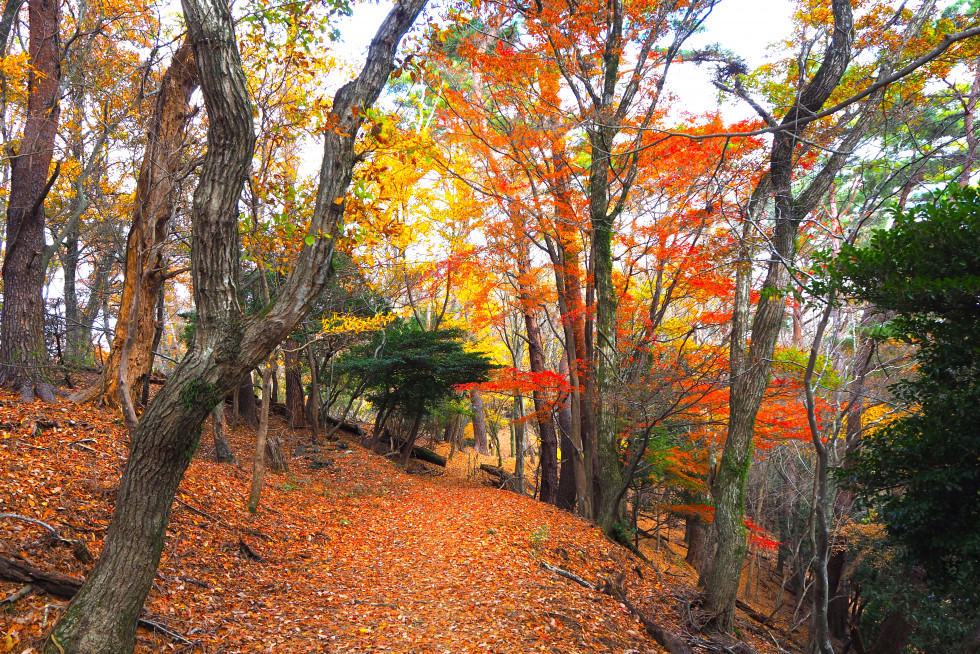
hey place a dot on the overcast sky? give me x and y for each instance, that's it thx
(746, 27)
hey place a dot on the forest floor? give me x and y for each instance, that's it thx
(348, 552)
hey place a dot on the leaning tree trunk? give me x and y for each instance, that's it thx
(750, 371)
(23, 357)
(102, 617)
(146, 257)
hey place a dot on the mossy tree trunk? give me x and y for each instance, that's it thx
(751, 368)
(102, 617)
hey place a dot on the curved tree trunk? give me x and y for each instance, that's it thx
(102, 617)
(146, 258)
(23, 357)
(750, 371)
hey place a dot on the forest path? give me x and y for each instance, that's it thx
(358, 556)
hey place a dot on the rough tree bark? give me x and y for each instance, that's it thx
(23, 357)
(479, 423)
(146, 258)
(566, 481)
(294, 384)
(222, 448)
(248, 408)
(102, 617)
(748, 385)
(535, 355)
(697, 535)
(259, 456)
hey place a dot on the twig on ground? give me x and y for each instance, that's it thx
(567, 575)
(54, 532)
(18, 594)
(166, 631)
(79, 442)
(669, 641)
(202, 513)
(34, 447)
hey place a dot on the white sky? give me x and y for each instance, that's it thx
(746, 27)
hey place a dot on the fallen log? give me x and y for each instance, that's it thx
(503, 478)
(418, 452)
(427, 455)
(64, 587)
(343, 425)
(758, 616)
(52, 583)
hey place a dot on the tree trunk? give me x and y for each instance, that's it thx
(248, 408)
(895, 632)
(78, 340)
(259, 456)
(698, 539)
(158, 327)
(294, 384)
(102, 617)
(542, 412)
(222, 448)
(819, 637)
(409, 442)
(607, 463)
(565, 498)
(750, 372)
(479, 424)
(569, 304)
(519, 439)
(313, 402)
(146, 255)
(23, 357)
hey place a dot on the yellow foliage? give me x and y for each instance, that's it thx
(346, 323)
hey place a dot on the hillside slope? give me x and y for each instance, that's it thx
(347, 553)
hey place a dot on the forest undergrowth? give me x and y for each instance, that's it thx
(348, 553)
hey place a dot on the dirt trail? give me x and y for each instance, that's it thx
(357, 556)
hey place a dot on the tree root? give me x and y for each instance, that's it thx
(669, 641)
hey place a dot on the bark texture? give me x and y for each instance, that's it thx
(102, 617)
(248, 407)
(23, 357)
(146, 258)
(222, 448)
(294, 384)
(479, 423)
(535, 353)
(750, 371)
